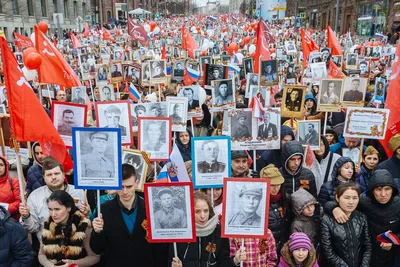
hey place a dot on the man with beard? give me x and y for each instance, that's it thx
(68, 123)
(211, 164)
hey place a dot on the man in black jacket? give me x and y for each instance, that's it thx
(381, 206)
(293, 172)
(119, 233)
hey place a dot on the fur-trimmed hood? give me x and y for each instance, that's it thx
(286, 259)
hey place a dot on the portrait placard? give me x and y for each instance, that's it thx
(245, 208)
(158, 71)
(293, 101)
(252, 80)
(169, 211)
(192, 93)
(248, 65)
(116, 72)
(223, 94)
(103, 72)
(154, 137)
(329, 96)
(318, 71)
(177, 111)
(351, 60)
(65, 116)
(106, 91)
(158, 109)
(309, 133)
(115, 114)
(178, 71)
(214, 72)
(78, 95)
(368, 123)
(211, 161)
(268, 69)
(354, 90)
(204, 60)
(97, 154)
(139, 160)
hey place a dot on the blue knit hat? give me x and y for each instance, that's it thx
(299, 240)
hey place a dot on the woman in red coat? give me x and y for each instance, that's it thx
(9, 190)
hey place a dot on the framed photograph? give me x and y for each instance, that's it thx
(139, 160)
(116, 72)
(169, 212)
(351, 60)
(197, 53)
(193, 99)
(106, 91)
(178, 71)
(103, 73)
(309, 133)
(97, 154)
(337, 60)
(326, 53)
(364, 67)
(115, 114)
(245, 207)
(252, 80)
(158, 71)
(132, 73)
(293, 101)
(376, 51)
(290, 47)
(65, 116)
(248, 65)
(85, 66)
(145, 73)
(78, 95)
(158, 109)
(177, 111)
(155, 135)
(18, 56)
(223, 95)
(118, 54)
(216, 51)
(380, 91)
(211, 161)
(318, 71)
(214, 72)
(354, 91)
(315, 57)
(268, 127)
(329, 96)
(268, 72)
(354, 154)
(368, 123)
(204, 60)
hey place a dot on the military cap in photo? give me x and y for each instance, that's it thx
(99, 135)
(50, 163)
(163, 191)
(238, 154)
(251, 189)
(156, 64)
(242, 116)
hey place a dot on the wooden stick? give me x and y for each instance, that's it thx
(3, 148)
(361, 151)
(20, 177)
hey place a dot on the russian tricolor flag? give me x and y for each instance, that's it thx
(134, 94)
(174, 170)
(256, 105)
(235, 68)
(213, 18)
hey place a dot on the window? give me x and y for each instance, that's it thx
(75, 9)
(15, 7)
(66, 8)
(108, 15)
(84, 10)
(30, 7)
(44, 8)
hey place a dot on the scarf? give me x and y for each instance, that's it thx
(275, 198)
(208, 228)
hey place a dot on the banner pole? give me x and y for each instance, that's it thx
(361, 151)
(242, 246)
(325, 122)
(98, 203)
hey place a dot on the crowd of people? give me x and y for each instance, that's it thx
(332, 210)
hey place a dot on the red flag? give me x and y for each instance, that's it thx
(137, 31)
(333, 43)
(163, 52)
(75, 41)
(54, 69)
(310, 156)
(308, 45)
(22, 41)
(107, 35)
(28, 126)
(392, 103)
(118, 32)
(334, 71)
(261, 47)
(86, 31)
(188, 42)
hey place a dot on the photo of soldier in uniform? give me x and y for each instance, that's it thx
(223, 94)
(363, 66)
(192, 95)
(293, 101)
(351, 60)
(155, 136)
(177, 111)
(269, 72)
(241, 127)
(135, 158)
(205, 60)
(214, 72)
(116, 70)
(158, 69)
(106, 91)
(249, 200)
(168, 215)
(210, 164)
(354, 89)
(309, 133)
(179, 69)
(78, 95)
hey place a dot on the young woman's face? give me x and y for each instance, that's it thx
(309, 103)
(184, 138)
(321, 150)
(346, 171)
(2, 168)
(275, 189)
(370, 161)
(201, 211)
(348, 201)
(329, 137)
(300, 255)
(58, 212)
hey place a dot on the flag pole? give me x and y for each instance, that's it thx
(15, 145)
(3, 148)
(361, 151)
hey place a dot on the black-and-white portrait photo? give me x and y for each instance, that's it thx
(155, 136)
(147, 110)
(363, 66)
(18, 56)
(205, 60)
(252, 80)
(197, 53)
(145, 72)
(106, 91)
(267, 130)
(115, 115)
(65, 116)
(216, 51)
(211, 162)
(192, 95)
(177, 111)
(248, 65)
(376, 51)
(337, 60)
(103, 73)
(326, 53)
(354, 89)
(315, 57)
(178, 70)
(170, 210)
(330, 91)
(97, 153)
(158, 69)
(309, 133)
(116, 71)
(78, 95)
(223, 94)
(246, 207)
(269, 72)
(290, 47)
(85, 66)
(136, 159)
(214, 72)
(293, 101)
(241, 126)
(351, 60)
(318, 71)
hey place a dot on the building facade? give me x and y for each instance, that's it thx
(22, 15)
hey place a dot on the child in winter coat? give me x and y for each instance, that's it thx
(298, 252)
(306, 210)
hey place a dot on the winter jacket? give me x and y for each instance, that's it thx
(35, 174)
(337, 148)
(278, 222)
(9, 192)
(314, 114)
(328, 189)
(320, 168)
(196, 254)
(286, 259)
(392, 165)
(381, 217)
(308, 225)
(349, 244)
(15, 249)
(274, 156)
(363, 177)
(185, 152)
(302, 178)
